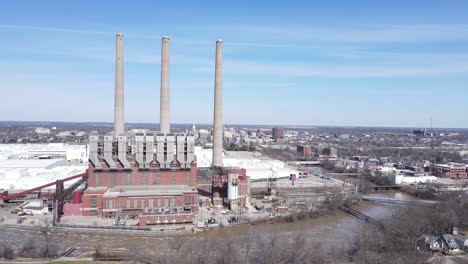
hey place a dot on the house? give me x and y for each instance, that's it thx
(430, 242)
(462, 242)
(449, 244)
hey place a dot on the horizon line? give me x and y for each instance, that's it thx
(227, 124)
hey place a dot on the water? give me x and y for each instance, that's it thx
(329, 232)
(394, 195)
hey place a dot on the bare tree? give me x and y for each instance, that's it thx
(6, 251)
(247, 244)
(47, 230)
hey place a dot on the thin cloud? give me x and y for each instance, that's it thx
(331, 71)
(363, 34)
(53, 29)
(142, 36)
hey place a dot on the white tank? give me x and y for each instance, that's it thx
(233, 186)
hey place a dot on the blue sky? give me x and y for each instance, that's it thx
(351, 63)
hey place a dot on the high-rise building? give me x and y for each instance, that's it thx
(277, 133)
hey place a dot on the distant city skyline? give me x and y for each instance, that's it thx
(144, 125)
(293, 63)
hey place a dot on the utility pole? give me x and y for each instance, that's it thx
(201, 212)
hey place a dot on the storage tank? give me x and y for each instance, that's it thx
(233, 186)
(77, 197)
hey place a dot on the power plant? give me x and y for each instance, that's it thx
(149, 175)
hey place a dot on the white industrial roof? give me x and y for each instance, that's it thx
(30, 163)
(148, 190)
(257, 166)
(72, 152)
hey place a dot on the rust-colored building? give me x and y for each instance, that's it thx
(304, 150)
(277, 133)
(220, 186)
(152, 177)
(450, 170)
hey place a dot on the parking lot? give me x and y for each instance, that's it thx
(8, 216)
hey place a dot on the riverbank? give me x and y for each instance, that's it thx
(328, 234)
(331, 228)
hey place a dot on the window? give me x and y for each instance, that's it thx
(135, 203)
(128, 203)
(97, 178)
(129, 178)
(93, 201)
(187, 178)
(143, 178)
(113, 179)
(188, 199)
(151, 203)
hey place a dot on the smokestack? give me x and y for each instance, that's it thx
(119, 122)
(218, 108)
(164, 125)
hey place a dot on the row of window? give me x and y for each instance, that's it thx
(144, 178)
(135, 203)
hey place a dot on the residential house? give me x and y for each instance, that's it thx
(449, 244)
(462, 242)
(430, 242)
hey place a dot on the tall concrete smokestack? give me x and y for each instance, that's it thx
(165, 127)
(119, 122)
(218, 108)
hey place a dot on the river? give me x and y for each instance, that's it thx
(329, 231)
(332, 231)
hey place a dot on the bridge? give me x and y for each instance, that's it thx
(360, 215)
(393, 201)
(386, 187)
(305, 163)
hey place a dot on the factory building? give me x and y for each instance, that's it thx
(231, 188)
(257, 167)
(71, 153)
(450, 170)
(157, 182)
(152, 175)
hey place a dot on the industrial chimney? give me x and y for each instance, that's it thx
(164, 125)
(218, 108)
(119, 122)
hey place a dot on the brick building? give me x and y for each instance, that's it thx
(304, 150)
(277, 133)
(450, 170)
(153, 177)
(221, 184)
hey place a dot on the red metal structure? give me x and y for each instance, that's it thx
(77, 197)
(6, 197)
